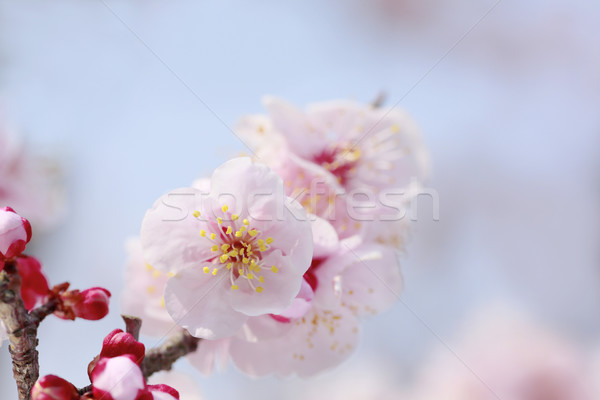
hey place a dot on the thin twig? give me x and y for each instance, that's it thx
(132, 325)
(163, 357)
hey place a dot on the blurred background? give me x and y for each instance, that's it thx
(134, 98)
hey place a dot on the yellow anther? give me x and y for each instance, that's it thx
(235, 287)
(241, 272)
(224, 258)
(156, 274)
(234, 217)
(233, 253)
(202, 233)
(259, 289)
(238, 234)
(219, 220)
(245, 260)
(257, 268)
(215, 248)
(225, 208)
(250, 276)
(246, 222)
(206, 270)
(269, 240)
(171, 274)
(261, 279)
(149, 267)
(225, 247)
(229, 265)
(253, 232)
(196, 213)
(213, 236)
(151, 289)
(274, 269)
(242, 251)
(229, 230)
(215, 270)
(262, 247)
(260, 242)
(242, 229)
(162, 301)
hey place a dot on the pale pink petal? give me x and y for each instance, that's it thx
(325, 238)
(118, 376)
(263, 327)
(199, 302)
(373, 282)
(210, 355)
(170, 233)
(301, 304)
(278, 289)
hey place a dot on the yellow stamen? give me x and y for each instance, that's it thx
(149, 267)
(229, 265)
(246, 222)
(225, 208)
(215, 248)
(228, 231)
(259, 289)
(274, 269)
(156, 274)
(269, 240)
(253, 232)
(215, 271)
(151, 289)
(234, 217)
(235, 287)
(238, 234)
(219, 220)
(250, 276)
(196, 213)
(233, 253)
(224, 258)
(245, 260)
(225, 247)
(261, 279)
(213, 236)
(171, 274)
(206, 270)
(202, 233)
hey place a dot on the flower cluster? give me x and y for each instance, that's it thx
(115, 375)
(271, 260)
(15, 233)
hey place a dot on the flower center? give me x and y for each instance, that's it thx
(340, 161)
(238, 250)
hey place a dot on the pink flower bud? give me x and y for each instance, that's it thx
(15, 233)
(119, 343)
(51, 387)
(93, 304)
(34, 286)
(119, 378)
(165, 392)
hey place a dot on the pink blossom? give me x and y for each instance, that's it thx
(240, 251)
(356, 146)
(28, 183)
(351, 282)
(15, 233)
(52, 387)
(508, 357)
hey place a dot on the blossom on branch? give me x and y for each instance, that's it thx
(240, 251)
(15, 233)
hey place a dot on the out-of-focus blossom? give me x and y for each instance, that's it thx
(238, 252)
(506, 357)
(28, 184)
(354, 281)
(356, 166)
(15, 233)
(52, 387)
(91, 304)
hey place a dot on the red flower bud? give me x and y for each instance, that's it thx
(93, 304)
(51, 387)
(15, 233)
(119, 343)
(164, 389)
(34, 286)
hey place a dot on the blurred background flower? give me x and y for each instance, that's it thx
(506, 95)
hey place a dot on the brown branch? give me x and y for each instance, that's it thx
(132, 325)
(162, 358)
(21, 330)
